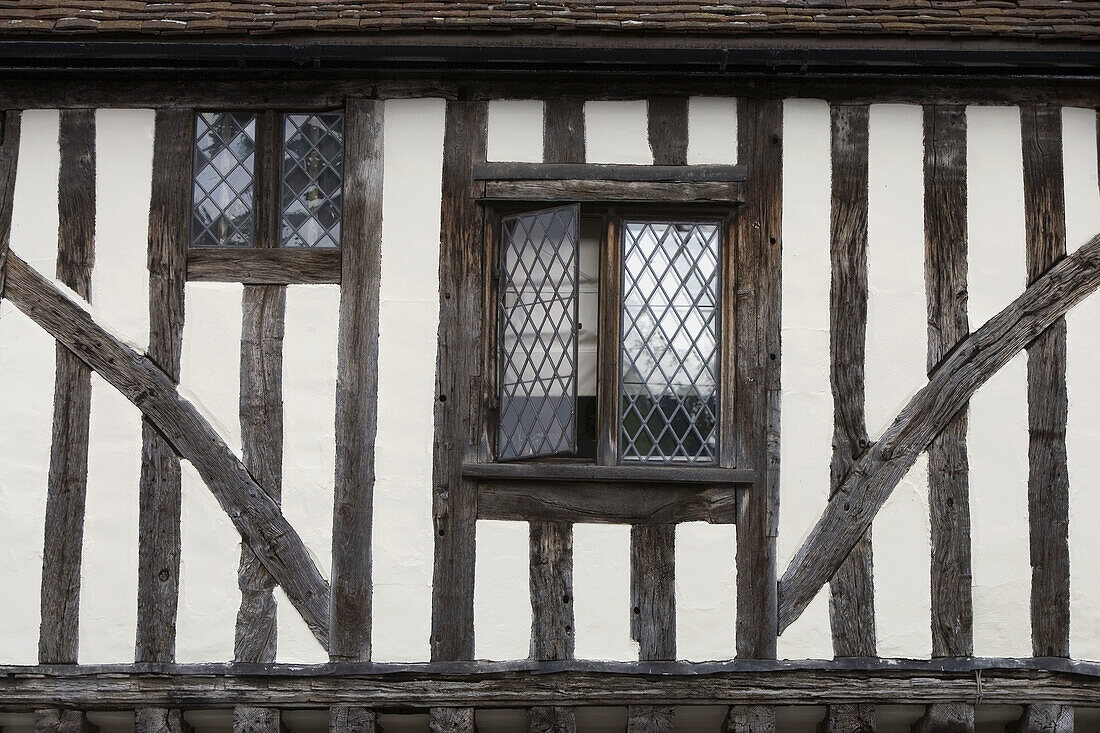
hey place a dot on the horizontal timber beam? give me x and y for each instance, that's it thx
(264, 266)
(967, 367)
(254, 514)
(551, 501)
(606, 172)
(522, 684)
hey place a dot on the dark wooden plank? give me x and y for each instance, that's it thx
(581, 171)
(607, 334)
(352, 719)
(653, 590)
(55, 720)
(603, 503)
(551, 581)
(159, 493)
(698, 192)
(357, 383)
(261, 414)
(945, 284)
(551, 719)
(458, 384)
(9, 157)
(160, 720)
(72, 399)
(1048, 477)
(758, 257)
(268, 178)
(852, 596)
(1044, 718)
(1055, 681)
(650, 719)
(966, 368)
(668, 134)
(247, 719)
(568, 472)
(946, 718)
(848, 718)
(451, 720)
(563, 130)
(749, 719)
(256, 517)
(264, 266)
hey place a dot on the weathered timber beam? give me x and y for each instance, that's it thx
(160, 720)
(946, 718)
(254, 514)
(9, 156)
(503, 685)
(679, 172)
(606, 504)
(1044, 718)
(682, 192)
(977, 358)
(264, 266)
(67, 485)
(357, 384)
(57, 720)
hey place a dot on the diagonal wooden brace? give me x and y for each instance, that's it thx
(977, 358)
(257, 518)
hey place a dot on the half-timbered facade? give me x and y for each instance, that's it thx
(555, 367)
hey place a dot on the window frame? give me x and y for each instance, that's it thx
(611, 216)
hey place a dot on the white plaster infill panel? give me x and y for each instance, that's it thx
(617, 132)
(515, 130)
(712, 130)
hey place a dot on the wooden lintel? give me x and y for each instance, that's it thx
(623, 475)
(587, 190)
(602, 172)
(256, 517)
(977, 358)
(264, 266)
(606, 503)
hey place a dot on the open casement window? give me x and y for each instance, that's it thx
(267, 180)
(592, 303)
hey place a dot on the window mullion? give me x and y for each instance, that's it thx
(727, 373)
(268, 177)
(610, 304)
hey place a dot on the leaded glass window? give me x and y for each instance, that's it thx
(223, 193)
(669, 346)
(537, 316)
(313, 174)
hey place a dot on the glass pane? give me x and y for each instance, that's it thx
(537, 310)
(669, 360)
(224, 180)
(313, 180)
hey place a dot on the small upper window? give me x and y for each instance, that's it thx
(234, 188)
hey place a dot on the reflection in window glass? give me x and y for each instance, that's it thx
(224, 180)
(669, 351)
(313, 176)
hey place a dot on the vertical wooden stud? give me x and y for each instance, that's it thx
(1048, 477)
(159, 720)
(451, 720)
(946, 718)
(945, 278)
(1044, 718)
(563, 130)
(758, 255)
(749, 719)
(68, 476)
(357, 383)
(55, 720)
(9, 158)
(352, 719)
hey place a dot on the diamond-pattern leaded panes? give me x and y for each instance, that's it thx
(669, 356)
(313, 180)
(537, 310)
(224, 180)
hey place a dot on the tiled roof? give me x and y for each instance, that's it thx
(1074, 20)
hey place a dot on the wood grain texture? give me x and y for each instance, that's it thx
(609, 503)
(586, 473)
(551, 719)
(159, 492)
(757, 344)
(521, 684)
(256, 517)
(749, 719)
(1048, 475)
(667, 121)
(160, 720)
(1044, 718)
(967, 367)
(9, 158)
(265, 266)
(352, 719)
(263, 323)
(458, 384)
(667, 147)
(551, 581)
(451, 720)
(946, 718)
(848, 718)
(852, 589)
(357, 383)
(55, 720)
(72, 399)
(570, 189)
(653, 590)
(247, 719)
(945, 268)
(650, 719)
(563, 130)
